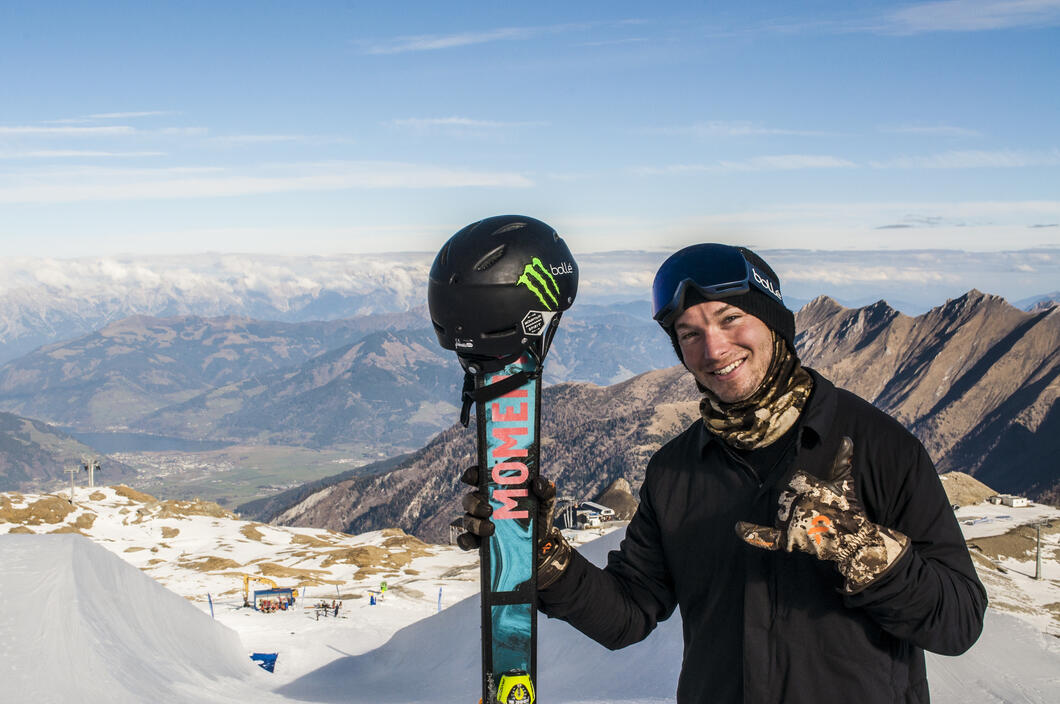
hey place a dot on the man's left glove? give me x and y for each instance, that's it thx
(823, 517)
(553, 551)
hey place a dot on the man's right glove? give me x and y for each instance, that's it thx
(553, 551)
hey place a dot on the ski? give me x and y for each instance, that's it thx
(508, 449)
(496, 292)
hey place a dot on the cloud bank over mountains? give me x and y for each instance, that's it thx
(44, 300)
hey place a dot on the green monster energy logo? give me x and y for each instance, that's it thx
(533, 278)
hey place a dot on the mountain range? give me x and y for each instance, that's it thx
(975, 379)
(380, 380)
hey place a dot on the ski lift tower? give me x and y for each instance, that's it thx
(1038, 555)
(90, 465)
(72, 471)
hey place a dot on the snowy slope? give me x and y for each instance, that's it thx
(84, 625)
(89, 627)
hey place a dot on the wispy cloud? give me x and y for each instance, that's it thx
(73, 154)
(924, 18)
(780, 162)
(932, 130)
(252, 139)
(735, 128)
(973, 159)
(971, 16)
(617, 42)
(108, 116)
(435, 42)
(424, 123)
(258, 138)
(99, 184)
(124, 115)
(183, 131)
(36, 130)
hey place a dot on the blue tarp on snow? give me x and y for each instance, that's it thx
(266, 661)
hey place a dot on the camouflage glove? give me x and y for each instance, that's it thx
(823, 517)
(553, 551)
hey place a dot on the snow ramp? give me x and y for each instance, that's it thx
(437, 660)
(79, 624)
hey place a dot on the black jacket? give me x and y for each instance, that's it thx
(764, 627)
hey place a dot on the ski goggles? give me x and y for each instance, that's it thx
(714, 270)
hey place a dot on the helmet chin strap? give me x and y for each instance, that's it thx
(485, 394)
(474, 366)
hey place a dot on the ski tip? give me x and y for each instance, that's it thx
(515, 687)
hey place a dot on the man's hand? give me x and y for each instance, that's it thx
(553, 551)
(823, 517)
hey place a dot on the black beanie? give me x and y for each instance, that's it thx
(762, 306)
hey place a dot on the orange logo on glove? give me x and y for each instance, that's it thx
(821, 524)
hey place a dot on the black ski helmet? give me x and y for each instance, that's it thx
(497, 288)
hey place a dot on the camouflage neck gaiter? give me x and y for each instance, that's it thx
(768, 413)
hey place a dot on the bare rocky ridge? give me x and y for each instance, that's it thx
(591, 436)
(964, 490)
(975, 379)
(619, 497)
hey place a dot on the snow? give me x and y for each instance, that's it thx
(83, 623)
(986, 519)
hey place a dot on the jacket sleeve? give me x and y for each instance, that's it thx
(620, 604)
(932, 596)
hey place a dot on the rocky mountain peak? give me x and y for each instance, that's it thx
(619, 496)
(820, 308)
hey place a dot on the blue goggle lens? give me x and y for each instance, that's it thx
(714, 270)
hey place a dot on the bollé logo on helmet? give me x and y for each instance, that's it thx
(541, 282)
(767, 284)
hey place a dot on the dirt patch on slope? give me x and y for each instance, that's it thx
(168, 532)
(47, 509)
(965, 490)
(1019, 543)
(410, 544)
(97, 496)
(181, 509)
(210, 563)
(360, 556)
(251, 532)
(311, 540)
(133, 494)
(305, 577)
(66, 529)
(85, 521)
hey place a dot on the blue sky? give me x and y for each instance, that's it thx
(317, 128)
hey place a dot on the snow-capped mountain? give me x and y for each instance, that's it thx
(45, 300)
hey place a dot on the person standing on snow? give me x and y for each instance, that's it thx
(803, 533)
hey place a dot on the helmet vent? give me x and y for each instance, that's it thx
(443, 256)
(509, 227)
(500, 333)
(491, 258)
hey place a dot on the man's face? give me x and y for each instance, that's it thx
(726, 349)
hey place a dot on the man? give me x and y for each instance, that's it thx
(803, 533)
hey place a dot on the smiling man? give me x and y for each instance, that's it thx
(803, 533)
